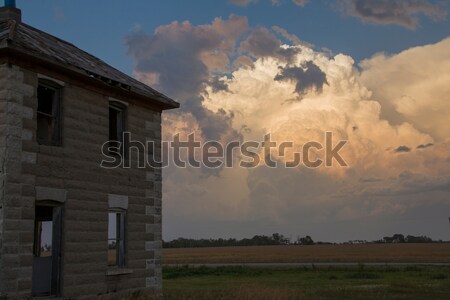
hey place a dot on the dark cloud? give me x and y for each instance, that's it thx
(176, 54)
(303, 202)
(402, 149)
(420, 183)
(404, 13)
(274, 193)
(263, 43)
(423, 146)
(408, 183)
(218, 85)
(308, 77)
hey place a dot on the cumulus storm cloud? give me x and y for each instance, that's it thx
(238, 82)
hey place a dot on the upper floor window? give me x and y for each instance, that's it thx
(117, 124)
(49, 113)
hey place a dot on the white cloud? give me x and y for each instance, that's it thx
(264, 105)
(414, 86)
(347, 108)
(372, 110)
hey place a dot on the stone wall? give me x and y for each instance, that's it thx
(2, 169)
(75, 169)
(17, 209)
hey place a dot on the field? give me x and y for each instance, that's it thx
(182, 282)
(420, 253)
(243, 283)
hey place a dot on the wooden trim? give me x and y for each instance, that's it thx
(58, 82)
(79, 78)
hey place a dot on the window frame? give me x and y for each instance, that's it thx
(120, 239)
(49, 211)
(122, 108)
(57, 111)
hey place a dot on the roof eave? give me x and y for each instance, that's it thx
(8, 48)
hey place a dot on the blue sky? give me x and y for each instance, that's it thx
(100, 26)
(392, 108)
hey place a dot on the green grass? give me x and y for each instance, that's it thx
(245, 283)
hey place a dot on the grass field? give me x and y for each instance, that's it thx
(243, 283)
(424, 253)
(357, 282)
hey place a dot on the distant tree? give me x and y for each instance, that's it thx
(307, 240)
(398, 238)
(257, 240)
(418, 239)
(388, 239)
(280, 239)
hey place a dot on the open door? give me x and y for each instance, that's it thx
(47, 251)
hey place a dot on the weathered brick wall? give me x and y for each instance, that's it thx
(75, 168)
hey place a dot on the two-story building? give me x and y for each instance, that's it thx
(69, 228)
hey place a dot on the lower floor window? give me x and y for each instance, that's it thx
(116, 239)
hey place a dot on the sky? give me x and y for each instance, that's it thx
(374, 73)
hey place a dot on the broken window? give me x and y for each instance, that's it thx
(49, 113)
(43, 237)
(116, 239)
(117, 126)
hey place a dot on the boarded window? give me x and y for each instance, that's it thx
(49, 114)
(116, 239)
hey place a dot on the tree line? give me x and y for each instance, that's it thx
(277, 239)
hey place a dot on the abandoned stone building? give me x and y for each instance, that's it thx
(69, 228)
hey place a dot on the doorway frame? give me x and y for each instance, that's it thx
(58, 209)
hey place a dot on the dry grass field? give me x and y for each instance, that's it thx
(308, 283)
(417, 253)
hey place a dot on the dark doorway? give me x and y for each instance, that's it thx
(47, 251)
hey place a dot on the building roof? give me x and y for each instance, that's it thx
(27, 40)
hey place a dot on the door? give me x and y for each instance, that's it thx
(47, 251)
